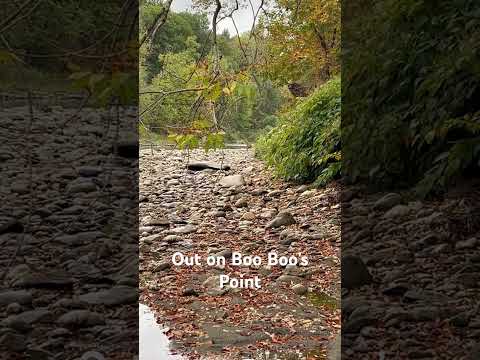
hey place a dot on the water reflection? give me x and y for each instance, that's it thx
(154, 344)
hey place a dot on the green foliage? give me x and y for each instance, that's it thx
(228, 95)
(61, 26)
(411, 92)
(305, 146)
(252, 108)
(175, 37)
(200, 134)
(105, 87)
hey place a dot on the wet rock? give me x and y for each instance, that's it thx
(199, 166)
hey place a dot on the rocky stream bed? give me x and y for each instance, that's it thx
(68, 220)
(235, 205)
(410, 276)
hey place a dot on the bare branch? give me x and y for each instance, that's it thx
(158, 23)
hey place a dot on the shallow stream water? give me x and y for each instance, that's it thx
(154, 344)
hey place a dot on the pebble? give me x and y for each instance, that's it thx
(300, 289)
(284, 218)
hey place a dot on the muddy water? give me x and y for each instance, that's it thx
(154, 344)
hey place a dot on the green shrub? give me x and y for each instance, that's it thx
(410, 93)
(305, 145)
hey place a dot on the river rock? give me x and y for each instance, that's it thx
(164, 265)
(284, 218)
(13, 308)
(187, 229)
(241, 203)
(11, 226)
(212, 284)
(28, 317)
(81, 185)
(13, 342)
(15, 296)
(474, 352)
(233, 180)
(128, 148)
(89, 171)
(81, 318)
(387, 202)
(289, 279)
(354, 272)
(466, 244)
(300, 289)
(249, 216)
(202, 165)
(172, 238)
(117, 295)
(397, 211)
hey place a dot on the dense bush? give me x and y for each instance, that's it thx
(305, 146)
(411, 92)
